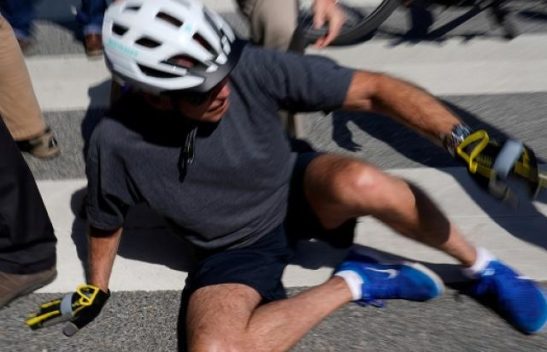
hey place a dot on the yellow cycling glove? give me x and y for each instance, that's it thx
(77, 309)
(492, 163)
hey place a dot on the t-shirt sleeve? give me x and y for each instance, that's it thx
(303, 82)
(109, 191)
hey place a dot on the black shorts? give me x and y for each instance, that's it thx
(260, 265)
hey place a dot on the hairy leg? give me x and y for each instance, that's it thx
(240, 323)
(339, 188)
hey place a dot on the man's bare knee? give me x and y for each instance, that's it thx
(352, 183)
(339, 188)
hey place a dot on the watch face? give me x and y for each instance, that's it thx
(456, 136)
(460, 132)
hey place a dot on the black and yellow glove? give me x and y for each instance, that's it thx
(492, 163)
(77, 309)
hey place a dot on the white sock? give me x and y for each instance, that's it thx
(354, 282)
(483, 258)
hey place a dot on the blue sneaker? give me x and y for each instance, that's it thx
(404, 280)
(516, 298)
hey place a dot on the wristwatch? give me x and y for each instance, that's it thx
(455, 137)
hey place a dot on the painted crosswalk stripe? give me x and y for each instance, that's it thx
(483, 66)
(456, 67)
(151, 259)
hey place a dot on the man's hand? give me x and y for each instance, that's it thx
(327, 11)
(78, 309)
(491, 163)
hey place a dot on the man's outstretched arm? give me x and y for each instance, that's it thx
(401, 100)
(489, 161)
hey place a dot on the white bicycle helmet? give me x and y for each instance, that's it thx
(168, 45)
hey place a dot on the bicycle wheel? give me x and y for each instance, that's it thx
(362, 19)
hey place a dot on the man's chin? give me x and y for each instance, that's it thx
(215, 115)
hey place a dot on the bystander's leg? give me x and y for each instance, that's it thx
(27, 240)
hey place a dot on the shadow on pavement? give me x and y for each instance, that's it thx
(417, 148)
(421, 18)
(534, 15)
(96, 110)
(145, 237)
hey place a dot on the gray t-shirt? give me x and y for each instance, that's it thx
(236, 188)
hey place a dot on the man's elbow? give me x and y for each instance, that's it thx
(363, 90)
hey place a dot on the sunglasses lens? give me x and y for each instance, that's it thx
(196, 98)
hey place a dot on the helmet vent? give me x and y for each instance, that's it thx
(148, 42)
(119, 30)
(148, 71)
(184, 61)
(204, 43)
(211, 22)
(169, 19)
(133, 8)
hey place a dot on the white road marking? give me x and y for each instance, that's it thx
(456, 67)
(481, 66)
(152, 259)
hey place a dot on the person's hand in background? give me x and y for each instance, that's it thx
(327, 12)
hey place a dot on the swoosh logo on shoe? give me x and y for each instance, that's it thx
(391, 272)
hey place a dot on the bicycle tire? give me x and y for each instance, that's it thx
(358, 26)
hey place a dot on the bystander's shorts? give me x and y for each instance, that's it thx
(261, 264)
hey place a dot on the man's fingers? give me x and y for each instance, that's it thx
(320, 43)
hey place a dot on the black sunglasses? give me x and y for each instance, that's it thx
(198, 98)
(195, 98)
